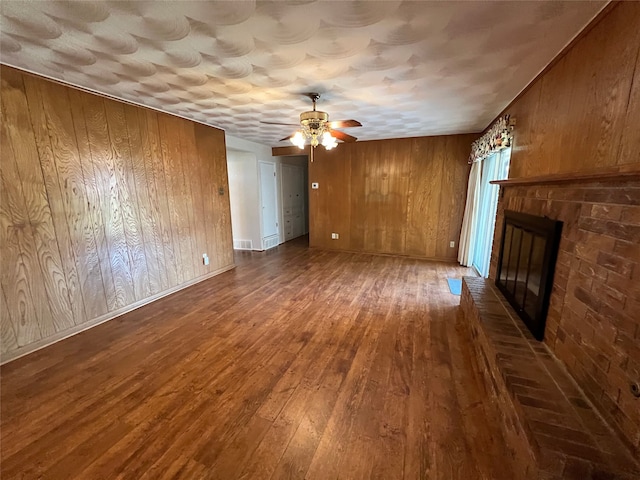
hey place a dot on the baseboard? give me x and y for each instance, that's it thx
(45, 342)
(386, 254)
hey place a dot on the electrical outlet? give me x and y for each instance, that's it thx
(335, 236)
(205, 259)
(452, 244)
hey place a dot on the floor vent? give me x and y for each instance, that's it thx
(242, 245)
(270, 242)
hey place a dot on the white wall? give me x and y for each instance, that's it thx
(242, 163)
(243, 196)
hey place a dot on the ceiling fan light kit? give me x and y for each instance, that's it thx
(315, 127)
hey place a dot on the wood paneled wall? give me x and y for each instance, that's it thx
(400, 196)
(105, 206)
(583, 114)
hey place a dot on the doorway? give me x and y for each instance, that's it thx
(269, 204)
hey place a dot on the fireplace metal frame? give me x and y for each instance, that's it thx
(550, 230)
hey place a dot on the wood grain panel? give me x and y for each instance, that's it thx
(211, 149)
(7, 330)
(86, 223)
(373, 198)
(139, 184)
(395, 176)
(525, 111)
(55, 137)
(102, 159)
(154, 166)
(455, 176)
(72, 181)
(16, 269)
(426, 185)
(357, 204)
(630, 142)
(94, 208)
(192, 180)
(331, 170)
(27, 192)
(120, 147)
(169, 129)
(582, 114)
(385, 196)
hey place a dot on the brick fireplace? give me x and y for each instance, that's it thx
(575, 158)
(593, 324)
(568, 405)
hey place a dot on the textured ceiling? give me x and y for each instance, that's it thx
(401, 68)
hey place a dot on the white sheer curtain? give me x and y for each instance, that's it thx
(466, 250)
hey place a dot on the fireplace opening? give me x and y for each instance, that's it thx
(526, 263)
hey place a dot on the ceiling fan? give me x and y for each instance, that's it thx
(316, 127)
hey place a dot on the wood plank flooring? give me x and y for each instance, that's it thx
(300, 363)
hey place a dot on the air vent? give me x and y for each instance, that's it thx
(270, 242)
(242, 245)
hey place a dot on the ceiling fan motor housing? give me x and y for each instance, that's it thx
(314, 119)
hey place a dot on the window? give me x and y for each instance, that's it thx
(494, 167)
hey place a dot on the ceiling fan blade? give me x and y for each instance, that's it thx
(344, 124)
(342, 136)
(279, 123)
(285, 138)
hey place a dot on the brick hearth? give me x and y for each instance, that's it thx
(552, 428)
(593, 326)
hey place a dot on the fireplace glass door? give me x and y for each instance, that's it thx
(525, 268)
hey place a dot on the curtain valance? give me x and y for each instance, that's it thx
(496, 138)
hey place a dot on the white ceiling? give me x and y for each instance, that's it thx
(402, 68)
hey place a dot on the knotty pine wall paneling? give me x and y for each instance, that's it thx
(399, 196)
(583, 114)
(104, 206)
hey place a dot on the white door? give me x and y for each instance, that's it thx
(268, 196)
(293, 212)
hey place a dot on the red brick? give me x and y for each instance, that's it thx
(619, 319)
(576, 468)
(615, 263)
(567, 245)
(590, 250)
(610, 296)
(593, 270)
(578, 450)
(606, 212)
(626, 426)
(602, 327)
(628, 345)
(628, 250)
(632, 308)
(623, 284)
(599, 241)
(633, 368)
(585, 297)
(599, 356)
(631, 215)
(571, 194)
(618, 196)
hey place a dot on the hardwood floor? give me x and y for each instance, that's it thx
(300, 363)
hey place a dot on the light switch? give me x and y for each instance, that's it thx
(314, 185)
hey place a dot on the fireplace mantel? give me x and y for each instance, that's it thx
(604, 175)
